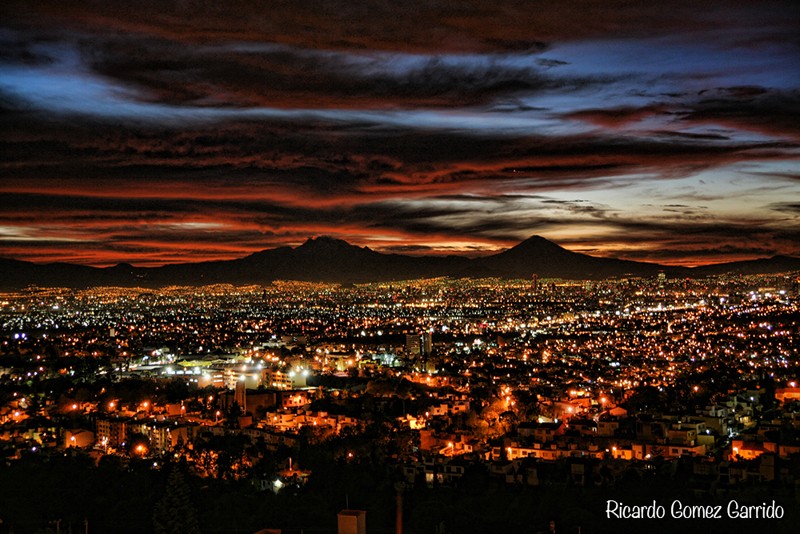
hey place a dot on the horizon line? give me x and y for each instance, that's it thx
(684, 263)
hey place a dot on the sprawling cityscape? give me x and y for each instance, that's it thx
(418, 267)
(435, 405)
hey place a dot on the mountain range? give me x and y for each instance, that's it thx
(325, 259)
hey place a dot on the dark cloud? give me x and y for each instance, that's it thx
(415, 25)
(168, 69)
(695, 136)
(790, 207)
(617, 117)
(750, 108)
(287, 77)
(775, 112)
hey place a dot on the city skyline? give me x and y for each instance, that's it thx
(170, 133)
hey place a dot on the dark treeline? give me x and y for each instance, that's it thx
(65, 493)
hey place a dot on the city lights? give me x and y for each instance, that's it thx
(560, 387)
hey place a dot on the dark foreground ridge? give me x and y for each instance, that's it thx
(325, 259)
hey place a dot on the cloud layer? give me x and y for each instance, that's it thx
(169, 132)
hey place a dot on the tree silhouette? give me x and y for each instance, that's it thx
(174, 513)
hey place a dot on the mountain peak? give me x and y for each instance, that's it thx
(536, 244)
(326, 243)
(325, 240)
(536, 240)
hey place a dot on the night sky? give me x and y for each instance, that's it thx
(160, 132)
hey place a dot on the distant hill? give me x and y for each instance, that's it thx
(548, 260)
(324, 259)
(775, 264)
